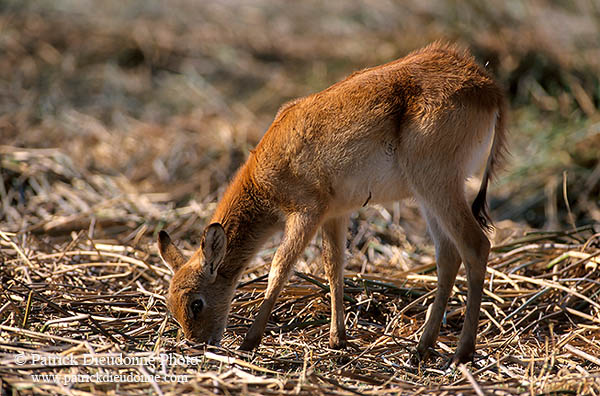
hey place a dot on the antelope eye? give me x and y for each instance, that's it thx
(197, 306)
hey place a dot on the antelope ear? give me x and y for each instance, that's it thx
(169, 252)
(214, 244)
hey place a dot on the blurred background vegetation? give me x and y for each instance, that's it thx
(170, 96)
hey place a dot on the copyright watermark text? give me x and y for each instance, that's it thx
(116, 360)
(97, 378)
(107, 368)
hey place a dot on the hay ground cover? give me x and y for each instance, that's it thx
(119, 120)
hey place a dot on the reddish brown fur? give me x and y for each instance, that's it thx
(418, 126)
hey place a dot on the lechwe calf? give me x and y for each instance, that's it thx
(416, 127)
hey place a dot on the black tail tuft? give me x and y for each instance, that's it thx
(479, 207)
(498, 151)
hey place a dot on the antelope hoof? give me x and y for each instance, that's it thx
(336, 342)
(249, 344)
(423, 351)
(459, 357)
(421, 354)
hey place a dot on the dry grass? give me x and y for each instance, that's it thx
(70, 294)
(118, 121)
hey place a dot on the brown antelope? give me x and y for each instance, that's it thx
(415, 127)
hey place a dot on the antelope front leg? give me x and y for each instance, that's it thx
(334, 238)
(299, 229)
